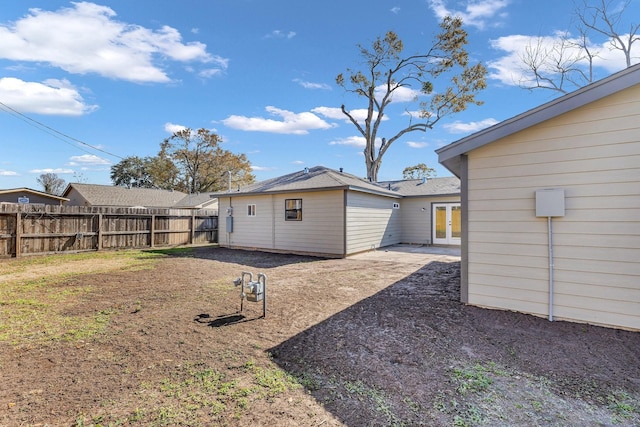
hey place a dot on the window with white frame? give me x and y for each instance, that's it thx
(251, 210)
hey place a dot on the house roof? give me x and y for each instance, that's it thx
(311, 179)
(34, 192)
(323, 178)
(109, 195)
(449, 155)
(427, 187)
(198, 200)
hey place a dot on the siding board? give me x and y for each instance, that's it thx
(319, 232)
(372, 222)
(593, 153)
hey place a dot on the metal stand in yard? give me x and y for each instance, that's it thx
(255, 291)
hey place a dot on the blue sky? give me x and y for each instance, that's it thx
(95, 82)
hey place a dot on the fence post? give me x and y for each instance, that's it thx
(153, 231)
(99, 231)
(192, 227)
(18, 233)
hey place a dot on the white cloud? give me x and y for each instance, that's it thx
(400, 94)
(291, 123)
(88, 159)
(58, 171)
(86, 38)
(395, 10)
(353, 141)
(53, 97)
(4, 172)
(310, 85)
(413, 144)
(470, 127)
(477, 13)
(297, 162)
(359, 114)
(173, 128)
(330, 112)
(210, 72)
(510, 69)
(262, 168)
(278, 34)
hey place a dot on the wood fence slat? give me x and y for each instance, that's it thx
(46, 229)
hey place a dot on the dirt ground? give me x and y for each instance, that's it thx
(370, 342)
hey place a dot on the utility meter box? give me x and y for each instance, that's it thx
(550, 202)
(255, 291)
(229, 224)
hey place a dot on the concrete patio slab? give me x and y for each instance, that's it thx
(411, 254)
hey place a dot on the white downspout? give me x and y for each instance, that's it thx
(550, 203)
(550, 269)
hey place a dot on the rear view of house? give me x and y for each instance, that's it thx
(321, 211)
(585, 148)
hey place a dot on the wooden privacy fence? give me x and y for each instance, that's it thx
(45, 229)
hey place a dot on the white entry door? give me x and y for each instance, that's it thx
(446, 223)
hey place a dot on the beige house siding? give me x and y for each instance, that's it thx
(593, 153)
(416, 213)
(319, 232)
(372, 222)
(248, 231)
(322, 225)
(75, 199)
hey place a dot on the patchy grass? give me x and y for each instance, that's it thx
(487, 394)
(33, 302)
(195, 391)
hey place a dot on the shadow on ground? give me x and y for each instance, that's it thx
(412, 354)
(241, 257)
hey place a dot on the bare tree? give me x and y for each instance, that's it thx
(567, 62)
(557, 65)
(387, 72)
(51, 183)
(607, 21)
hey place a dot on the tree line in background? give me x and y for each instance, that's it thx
(188, 161)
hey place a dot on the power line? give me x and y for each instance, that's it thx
(53, 132)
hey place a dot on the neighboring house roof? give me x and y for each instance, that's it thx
(424, 187)
(312, 179)
(109, 195)
(449, 155)
(25, 190)
(197, 201)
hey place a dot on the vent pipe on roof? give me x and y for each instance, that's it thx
(389, 186)
(306, 170)
(341, 170)
(424, 179)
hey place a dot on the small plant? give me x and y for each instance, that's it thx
(472, 380)
(623, 405)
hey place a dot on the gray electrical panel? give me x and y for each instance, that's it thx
(550, 202)
(229, 224)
